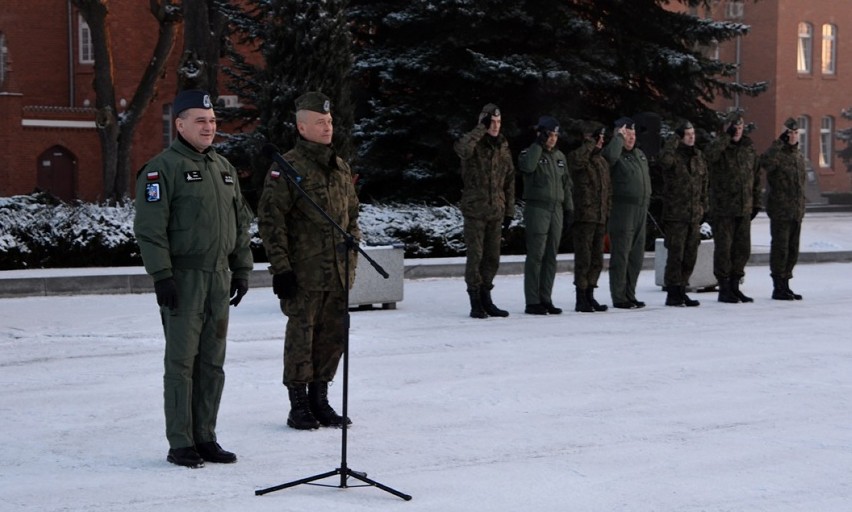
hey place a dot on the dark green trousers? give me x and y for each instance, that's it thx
(784, 247)
(195, 353)
(482, 239)
(543, 230)
(682, 240)
(627, 249)
(588, 253)
(731, 246)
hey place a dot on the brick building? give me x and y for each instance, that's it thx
(47, 123)
(804, 51)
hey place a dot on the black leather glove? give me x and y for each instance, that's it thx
(507, 221)
(167, 294)
(732, 130)
(754, 211)
(542, 138)
(239, 287)
(785, 137)
(486, 121)
(284, 285)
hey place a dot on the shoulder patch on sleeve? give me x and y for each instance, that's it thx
(152, 192)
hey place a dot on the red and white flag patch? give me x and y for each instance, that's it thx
(153, 175)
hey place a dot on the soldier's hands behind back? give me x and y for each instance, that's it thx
(567, 220)
(754, 211)
(239, 287)
(284, 285)
(166, 291)
(507, 221)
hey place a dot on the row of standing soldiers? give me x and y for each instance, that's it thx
(602, 189)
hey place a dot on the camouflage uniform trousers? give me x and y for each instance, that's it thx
(731, 246)
(314, 339)
(682, 241)
(784, 247)
(195, 352)
(588, 253)
(482, 240)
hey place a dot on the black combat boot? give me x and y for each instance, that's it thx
(795, 295)
(726, 294)
(780, 290)
(551, 309)
(300, 416)
(735, 289)
(535, 309)
(590, 297)
(488, 305)
(476, 310)
(321, 409)
(674, 296)
(690, 303)
(582, 305)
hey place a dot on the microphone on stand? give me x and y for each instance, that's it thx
(271, 151)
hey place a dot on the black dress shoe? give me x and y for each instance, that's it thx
(638, 303)
(551, 309)
(624, 305)
(212, 452)
(185, 457)
(535, 309)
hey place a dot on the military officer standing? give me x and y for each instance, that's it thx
(592, 202)
(684, 204)
(785, 206)
(192, 228)
(487, 204)
(307, 259)
(631, 195)
(734, 201)
(548, 210)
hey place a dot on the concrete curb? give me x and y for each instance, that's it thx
(88, 281)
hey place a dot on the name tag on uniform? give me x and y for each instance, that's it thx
(152, 192)
(227, 178)
(560, 163)
(191, 176)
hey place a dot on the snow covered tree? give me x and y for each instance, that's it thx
(116, 131)
(424, 69)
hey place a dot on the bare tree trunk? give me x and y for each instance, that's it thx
(202, 46)
(116, 134)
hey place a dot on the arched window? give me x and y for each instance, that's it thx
(826, 142)
(829, 49)
(84, 38)
(804, 55)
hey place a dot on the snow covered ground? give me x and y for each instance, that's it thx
(717, 408)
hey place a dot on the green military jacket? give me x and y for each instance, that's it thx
(547, 182)
(785, 179)
(488, 175)
(631, 177)
(190, 214)
(592, 184)
(684, 183)
(734, 185)
(295, 235)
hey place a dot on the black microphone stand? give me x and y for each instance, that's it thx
(349, 244)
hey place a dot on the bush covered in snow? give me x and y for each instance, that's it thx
(36, 231)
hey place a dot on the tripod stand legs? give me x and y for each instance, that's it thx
(344, 474)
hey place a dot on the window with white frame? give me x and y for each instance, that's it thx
(84, 38)
(804, 55)
(826, 141)
(168, 126)
(829, 48)
(804, 129)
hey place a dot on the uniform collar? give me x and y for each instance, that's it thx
(315, 151)
(186, 149)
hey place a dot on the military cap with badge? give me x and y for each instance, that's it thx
(191, 98)
(314, 101)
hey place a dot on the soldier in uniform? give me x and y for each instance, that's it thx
(488, 199)
(684, 203)
(734, 191)
(785, 206)
(548, 210)
(592, 202)
(192, 228)
(307, 261)
(631, 195)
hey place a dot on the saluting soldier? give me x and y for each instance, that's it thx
(684, 203)
(307, 260)
(785, 206)
(487, 204)
(592, 202)
(192, 228)
(734, 193)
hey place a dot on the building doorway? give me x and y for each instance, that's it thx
(57, 169)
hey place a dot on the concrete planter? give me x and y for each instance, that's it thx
(702, 275)
(371, 288)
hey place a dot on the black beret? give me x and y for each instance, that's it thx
(548, 124)
(625, 121)
(192, 98)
